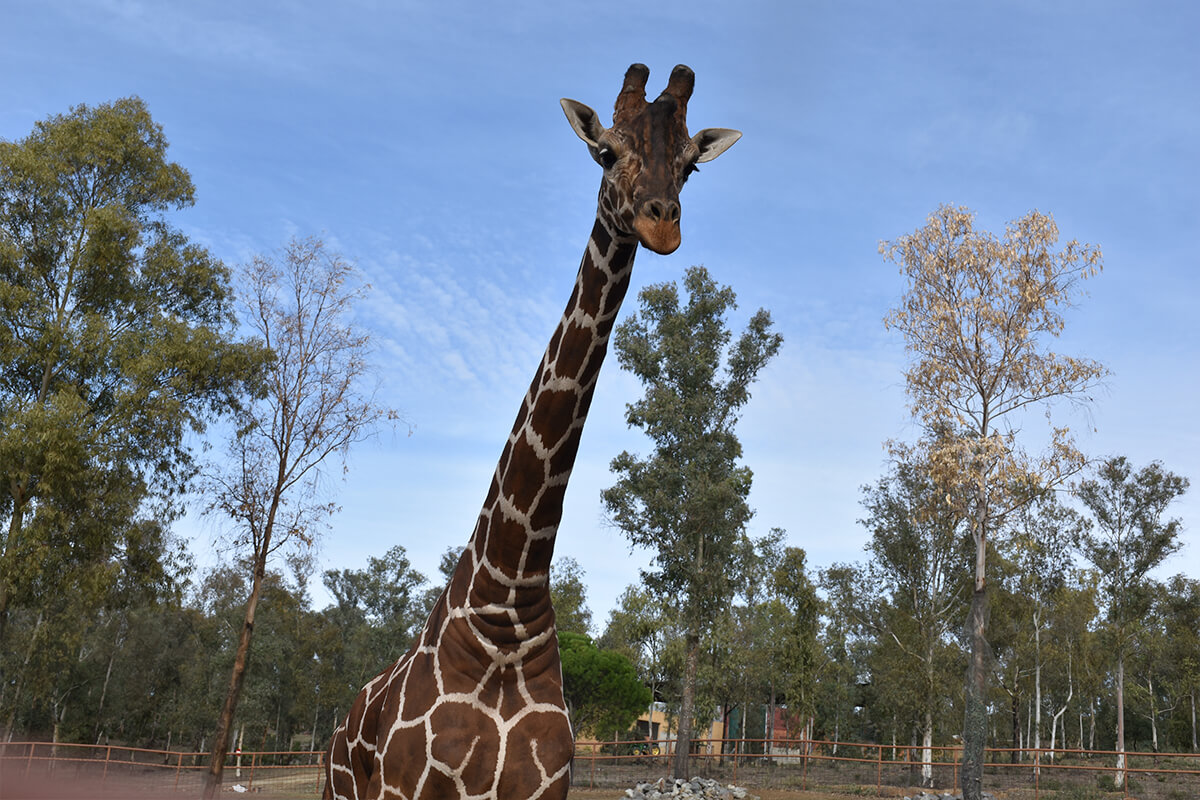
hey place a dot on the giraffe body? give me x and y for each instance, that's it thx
(475, 709)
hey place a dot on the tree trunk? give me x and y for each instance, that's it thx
(107, 677)
(931, 700)
(1059, 716)
(683, 743)
(975, 716)
(1153, 714)
(771, 722)
(19, 683)
(1194, 748)
(1037, 690)
(216, 762)
(1091, 724)
(927, 750)
(15, 522)
(1119, 775)
(914, 768)
(1013, 757)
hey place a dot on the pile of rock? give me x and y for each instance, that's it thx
(944, 796)
(697, 788)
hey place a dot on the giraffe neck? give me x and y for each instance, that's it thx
(502, 579)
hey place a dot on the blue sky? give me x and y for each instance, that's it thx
(425, 142)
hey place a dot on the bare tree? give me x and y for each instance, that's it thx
(312, 408)
(975, 319)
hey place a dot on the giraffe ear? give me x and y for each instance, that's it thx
(711, 142)
(584, 120)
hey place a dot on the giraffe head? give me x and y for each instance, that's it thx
(647, 155)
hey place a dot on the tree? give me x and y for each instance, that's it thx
(1180, 605)
(1129, 538)
(840, 665)
(641, 628)
(687, 501)
(312, 409)
(116, 342)
(975, 318)
(1042, 534)
(913, 586)
(569, 597)
(602, 690)
(377, 612)
(745, 664)
(797, 650)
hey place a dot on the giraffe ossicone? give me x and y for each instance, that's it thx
(475, 708)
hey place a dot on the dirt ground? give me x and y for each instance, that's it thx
(765, 794)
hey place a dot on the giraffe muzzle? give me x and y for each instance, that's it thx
(657, 225)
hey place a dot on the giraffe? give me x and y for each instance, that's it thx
(475, 709)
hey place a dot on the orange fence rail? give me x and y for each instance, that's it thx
(759, 763)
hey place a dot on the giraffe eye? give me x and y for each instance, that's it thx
(688, 170)
(606, 157)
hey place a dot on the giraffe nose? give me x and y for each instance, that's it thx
(661, 210)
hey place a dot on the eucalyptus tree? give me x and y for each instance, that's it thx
(1040, 539)
(1180, 610)
(795, 648)
(569, 597)
(376, 613)
(910, 593)
(116, 343)
(1129, 537)
(976, 317)
(686, 501)
(642, 627)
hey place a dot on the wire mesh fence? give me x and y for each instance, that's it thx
(45, 770)
(30, 769)
(892, 770)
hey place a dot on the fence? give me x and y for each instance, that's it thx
(103, 771)
(892, 769)
(113, 771)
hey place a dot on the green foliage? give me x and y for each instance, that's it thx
(643, 628)
(904, 605)
(797, 651)
(116, 343)
(156, 669)
(379, 610)
(569, 596)
(603, 692)
(687, 501)
(1131, 537)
